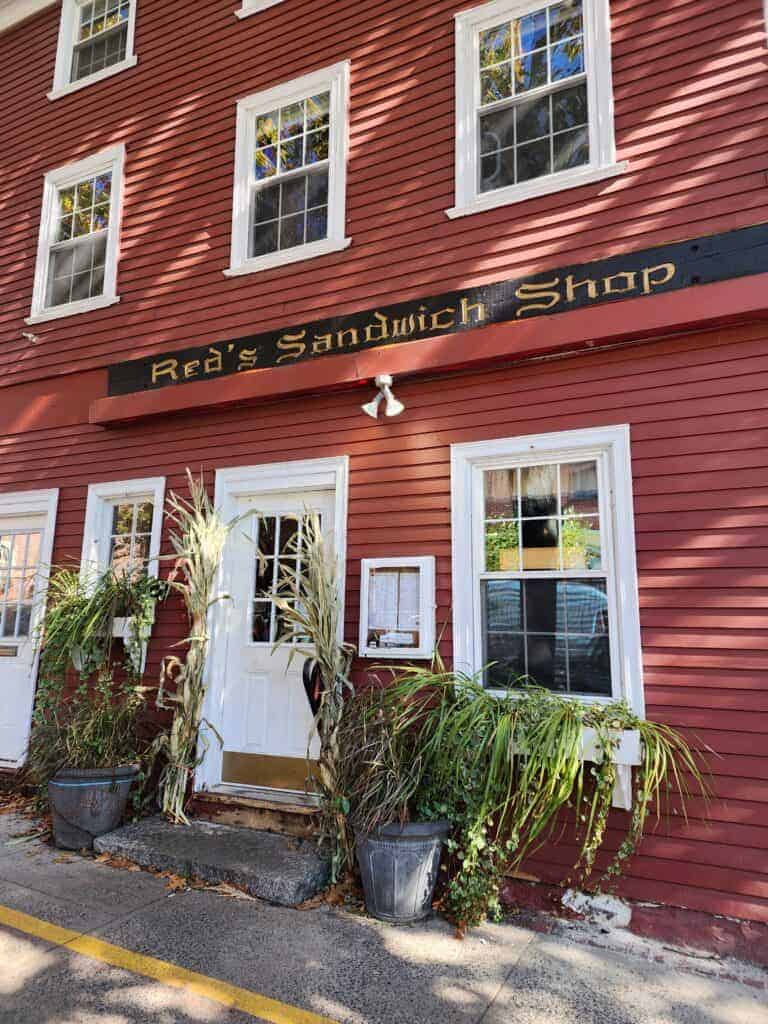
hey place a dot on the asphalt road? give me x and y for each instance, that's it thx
(300, 967)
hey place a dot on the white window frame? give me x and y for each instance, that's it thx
(597, 61)
(254, 6)
(107, 160)
(610, 447)
(335, 80)
(62, 86)
(102, 498)
(426, 566)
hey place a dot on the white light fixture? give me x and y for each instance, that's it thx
(392, 407)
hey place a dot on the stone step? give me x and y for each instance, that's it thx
(276, 868)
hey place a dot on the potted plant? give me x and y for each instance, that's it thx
(398, 843)
(85, 744)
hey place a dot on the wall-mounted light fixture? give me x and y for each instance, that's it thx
(392, 407)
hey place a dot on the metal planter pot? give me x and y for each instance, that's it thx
(86, 803)
(399, 865)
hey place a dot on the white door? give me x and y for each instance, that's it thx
(267, 723)
(21, 588)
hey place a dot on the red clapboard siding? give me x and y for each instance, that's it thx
(691, 115)
(701, 499)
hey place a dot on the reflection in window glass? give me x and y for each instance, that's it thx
(289, 201)
(544, 622)
(78, 250)
(533, 96)
(130, 536)
(278, 558)
(101, 37)
(19, 565)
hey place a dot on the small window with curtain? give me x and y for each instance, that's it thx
(289, 198)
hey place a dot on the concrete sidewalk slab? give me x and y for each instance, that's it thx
(347, 967)
(276, 868)
(11, 827)
(560, 981)
(56, 873)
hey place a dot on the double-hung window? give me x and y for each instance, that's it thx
(544, 566)
(79, 237)
(290, 172)
(534, 100)
(96, 39)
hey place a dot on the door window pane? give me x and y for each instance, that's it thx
(19, 566)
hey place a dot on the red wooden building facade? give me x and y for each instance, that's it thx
(248, 213)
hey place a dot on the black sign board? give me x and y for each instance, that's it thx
(661, 269)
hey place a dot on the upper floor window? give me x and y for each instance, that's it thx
(534, 100)
(290, 172)
(79, 236)
(95, 41)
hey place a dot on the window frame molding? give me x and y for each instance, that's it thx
(97, 528)
(335, 79)
(62, 86)
(113, 159)
(254, 7)
(599, 79)
(611, 447)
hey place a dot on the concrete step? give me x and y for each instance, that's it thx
(276, 868)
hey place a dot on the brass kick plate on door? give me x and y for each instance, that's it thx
(9, 652)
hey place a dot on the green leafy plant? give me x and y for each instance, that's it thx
(198, 543)
(96, 724)
(503, 770)
(309, 603)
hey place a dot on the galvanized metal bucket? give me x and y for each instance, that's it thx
(86, 803)
(399, 866)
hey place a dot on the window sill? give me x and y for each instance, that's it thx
(72, 309)
(281, 259)
(260, 5)
(115, 69)
(540, 187)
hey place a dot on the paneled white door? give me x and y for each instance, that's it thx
(267, 723)
(21, 590)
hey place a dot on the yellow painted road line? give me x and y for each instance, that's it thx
(159, 970)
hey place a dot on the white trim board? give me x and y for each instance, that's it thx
(611, 446)
(329, 474)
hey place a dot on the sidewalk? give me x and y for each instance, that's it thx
(304, 966)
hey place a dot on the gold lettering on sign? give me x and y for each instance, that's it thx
(247, 359)
(538, 296)
(323, 343)
(351, 333)
(629, 277)
(381, 325)
(439, 324)
(404, 327)
(214, 363)
(655, 277)
(191, 369)
(165, 368)
(468, 307)
(571, 285)
(292, 345)
(422, 318)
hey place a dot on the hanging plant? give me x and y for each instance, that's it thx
(198, 543)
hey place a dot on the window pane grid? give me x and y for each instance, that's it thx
(544, 584)
(533, 115)
(282, 536)
(78, 252)
(19, 561)
(101, 38)
(289, 191)
(131, 536)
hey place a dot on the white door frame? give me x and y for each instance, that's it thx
(331, 474)
(34, 503)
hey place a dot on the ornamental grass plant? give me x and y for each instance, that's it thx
(508, 772)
